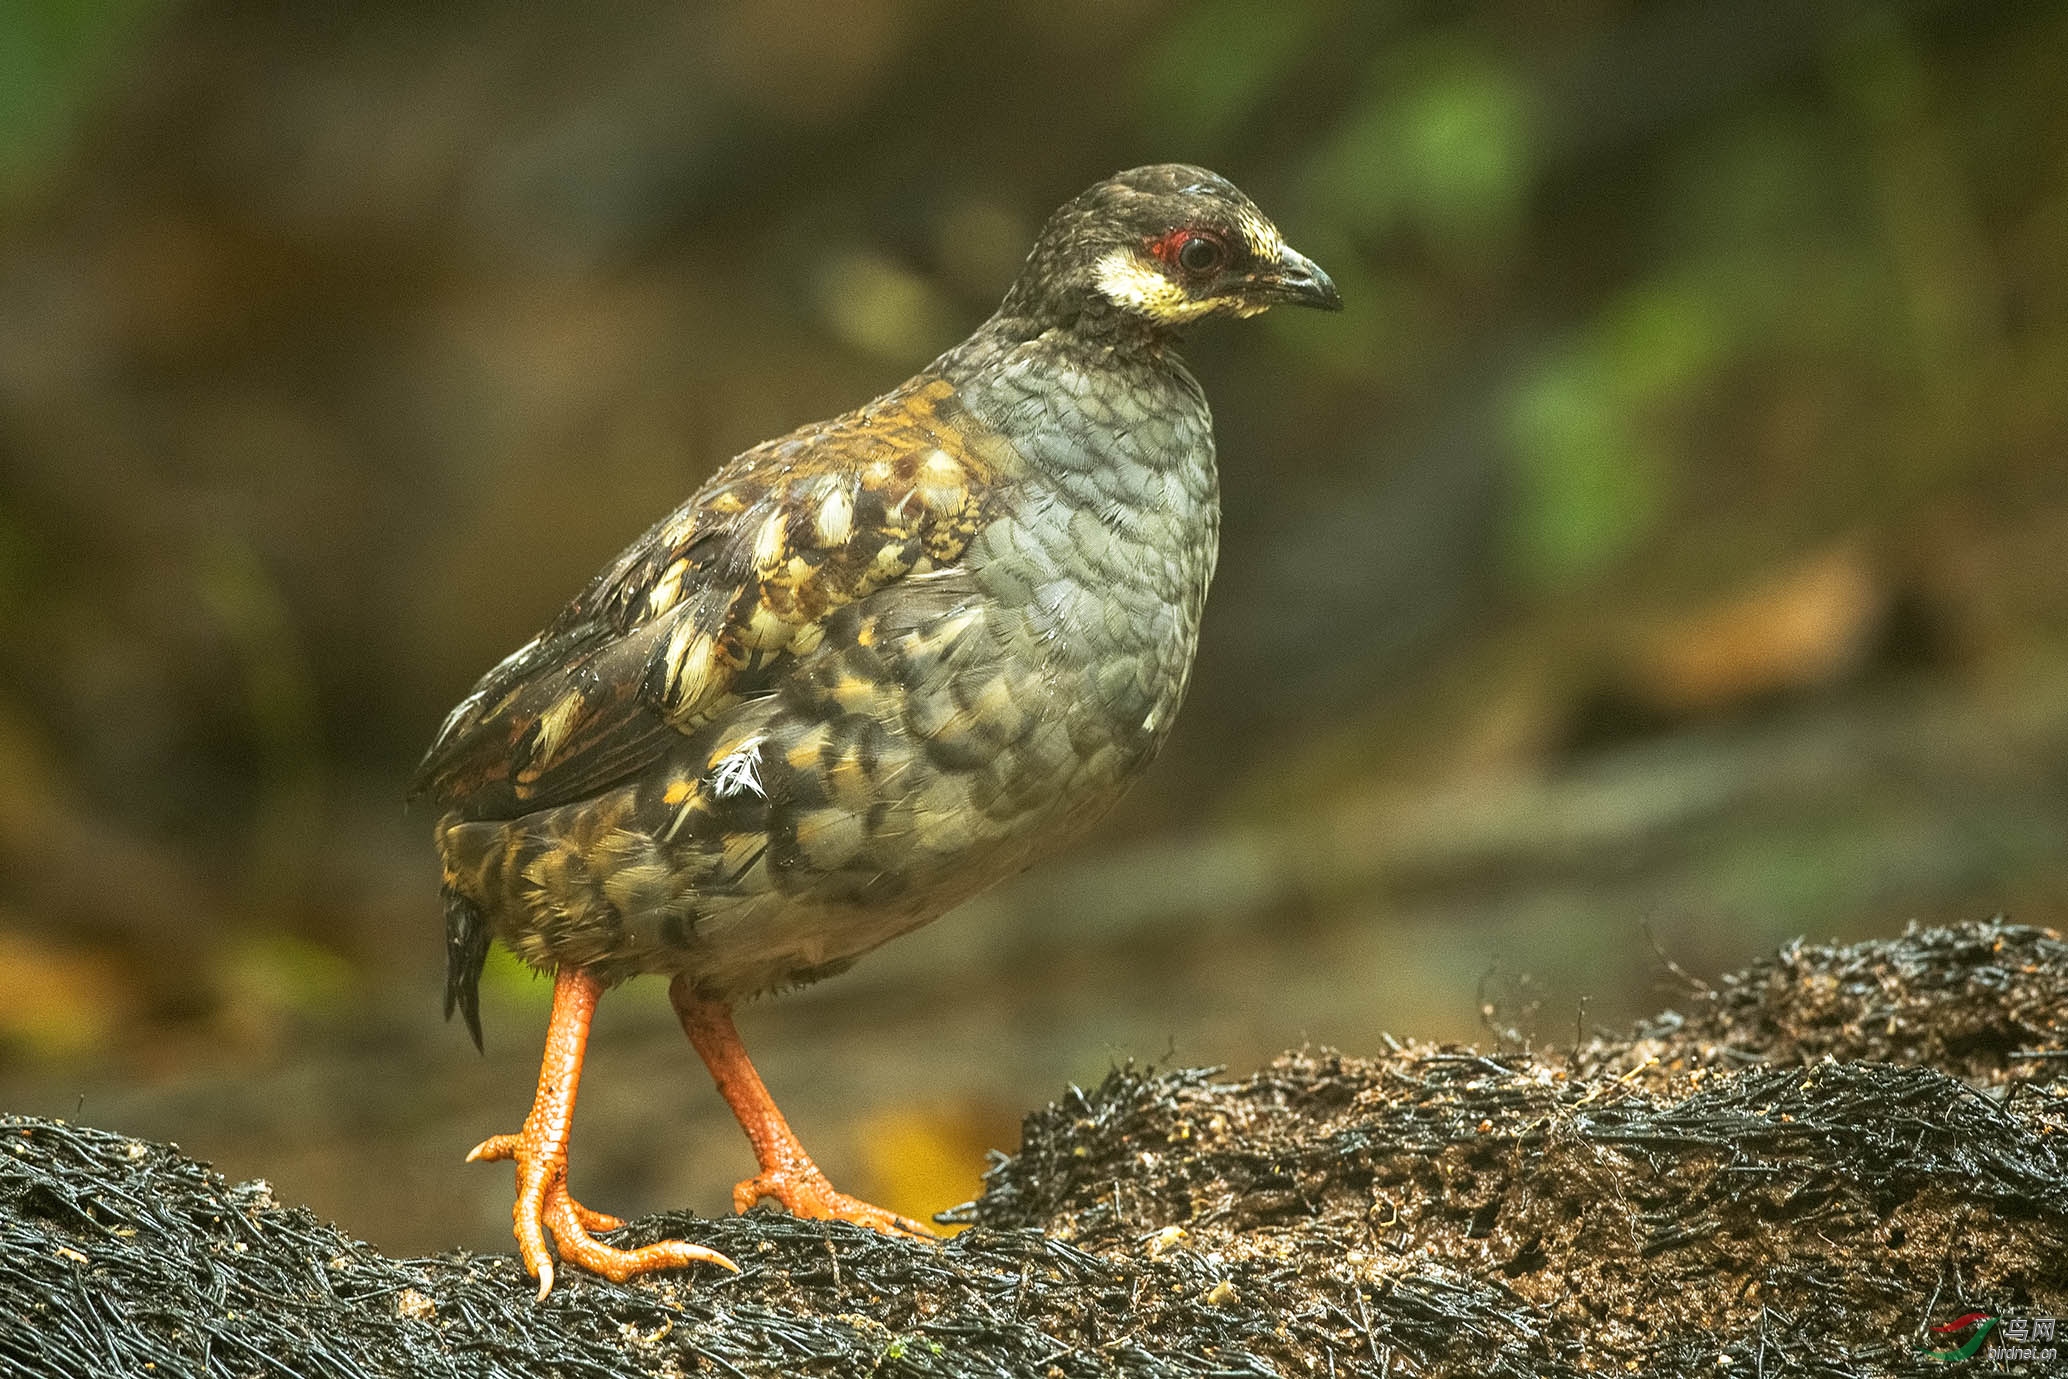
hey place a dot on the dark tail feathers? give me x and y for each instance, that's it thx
(466, 949)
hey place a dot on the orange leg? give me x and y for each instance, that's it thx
(787, 1173)
(540, 1151)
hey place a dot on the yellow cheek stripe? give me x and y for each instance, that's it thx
(1128, 279)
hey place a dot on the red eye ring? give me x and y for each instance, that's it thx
(1196, 252)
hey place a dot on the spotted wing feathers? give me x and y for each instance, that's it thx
(713, 603)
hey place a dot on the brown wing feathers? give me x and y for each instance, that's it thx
(711, 603)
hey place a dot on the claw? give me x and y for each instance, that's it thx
(804, 1191)
(787, 1173)
(494, 1149)
(543, 1206)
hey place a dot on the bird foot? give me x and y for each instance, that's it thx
(804, 1191)
(544, 1206)
(498, 1147)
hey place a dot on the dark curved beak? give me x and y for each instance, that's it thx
(1297, 280)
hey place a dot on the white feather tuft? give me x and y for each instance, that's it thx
(738, 772)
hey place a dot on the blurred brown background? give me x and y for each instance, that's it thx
(1669, 537)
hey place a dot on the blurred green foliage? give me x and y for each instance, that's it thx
(333, 355)
(1214, 65)
(1437, 140)
(55, 55)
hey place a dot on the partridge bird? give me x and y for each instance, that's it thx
(869, 669)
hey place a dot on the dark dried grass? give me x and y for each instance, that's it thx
(1715, 1196)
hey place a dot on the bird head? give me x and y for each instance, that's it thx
(1163, 246)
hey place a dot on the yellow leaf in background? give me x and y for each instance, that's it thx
(923, 1160)
(268, 979)
(61, 1003)
(1806, 626)
(508, 982)
(288, 973)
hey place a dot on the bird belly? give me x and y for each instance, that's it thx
(914, 761)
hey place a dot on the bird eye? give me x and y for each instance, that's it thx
(1201, 254)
